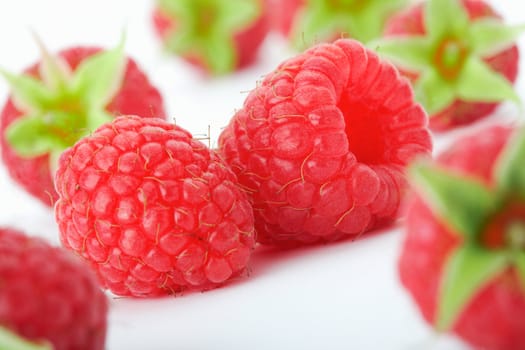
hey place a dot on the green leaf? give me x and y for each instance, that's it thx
(490, 36)
(509, 170)
(410, 53)
(520, 268)
(237, 14)
(29, 94)
(461, 202)
(30, 136)
(478, 82)
(99, 77)
(445, 18)
(11, 341)
(467, 271)
(433, 92)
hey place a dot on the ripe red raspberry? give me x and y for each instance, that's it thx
(62, 98)
(48, 296)
(153, 210)
(320, 145)
(217, 36)
(459, 54)
(463, 258)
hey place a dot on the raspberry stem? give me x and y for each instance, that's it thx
(449, 58)
(516, 235)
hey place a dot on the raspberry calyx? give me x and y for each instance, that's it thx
(64, 105)
(205, 29)
(449, 57)
(506, 229)
(324, 21)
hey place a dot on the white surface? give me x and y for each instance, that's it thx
(341, 296)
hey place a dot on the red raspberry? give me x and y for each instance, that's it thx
(48, 295)
(153, 210)
(320, 145)
(463, 258)
(34, 166)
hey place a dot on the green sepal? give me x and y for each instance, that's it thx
(53, 69)
(433, 92)
(11, 341)
(28, 93)
(445, 18)
(478, 82)
(467, 271)
(509, 172)
(182, 42)
(369, 24)
(489, 36)
(321, 20)
(221, 55)
(237, 14)
(31, 136)
(463, 203)
(410, 53)
(98, 78)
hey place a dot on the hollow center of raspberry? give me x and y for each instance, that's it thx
(366, 138)
(449, 58)
(506, 230)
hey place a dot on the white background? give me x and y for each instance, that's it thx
(339, 296)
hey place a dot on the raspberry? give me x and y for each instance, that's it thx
(463, 257)
(47, 295)
(215, 35)
(321, 144)
(154, 211)
(27, 122)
